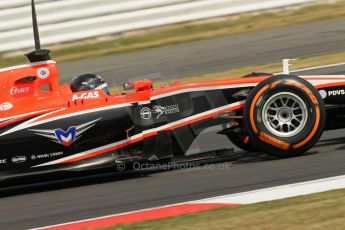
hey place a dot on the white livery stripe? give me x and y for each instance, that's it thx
(26, 124)
(181, 121)
(141, 135)
(83, 153)
(27, 65)
(324, 77)
(31, 123)
(188, 90)
(24, 115)
(322, 82)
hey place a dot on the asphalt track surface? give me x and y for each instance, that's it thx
(217, 54)
(69, 200)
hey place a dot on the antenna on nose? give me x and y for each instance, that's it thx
(35, 26)
(38, 54)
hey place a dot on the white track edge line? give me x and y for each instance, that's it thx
(316, 67)
(322, 185)
(281, 192)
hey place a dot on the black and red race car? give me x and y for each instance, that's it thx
(45, 126)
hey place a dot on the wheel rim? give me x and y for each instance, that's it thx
(285, 114)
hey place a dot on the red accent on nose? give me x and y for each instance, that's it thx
(67, 143)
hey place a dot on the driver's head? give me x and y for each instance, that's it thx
(89, 82)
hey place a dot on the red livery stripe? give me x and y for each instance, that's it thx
(152, 133)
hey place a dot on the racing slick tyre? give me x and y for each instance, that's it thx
(284, 116)
(242, 141)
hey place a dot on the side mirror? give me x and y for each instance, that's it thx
(128, 86)
(139, 86)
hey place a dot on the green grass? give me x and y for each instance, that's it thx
(317, 211)
(187, 32)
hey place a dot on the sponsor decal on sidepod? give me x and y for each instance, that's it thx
(65, 137)
(146, 113)
(19, 90)
(47, 155)
(323, 93)
(336, 92)
(331, 93)
(19, 159)
(6, 106)
(43, 73)
(90, 95)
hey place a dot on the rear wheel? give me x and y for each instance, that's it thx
(284, 116)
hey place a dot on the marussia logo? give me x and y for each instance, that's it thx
(66, 137)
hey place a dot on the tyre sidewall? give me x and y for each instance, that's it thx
(315, 110)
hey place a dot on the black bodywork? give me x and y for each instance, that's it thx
(25, 152)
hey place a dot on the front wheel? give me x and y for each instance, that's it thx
(242, 141)
(284, 116)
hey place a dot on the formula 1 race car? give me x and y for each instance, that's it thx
(45, 126)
